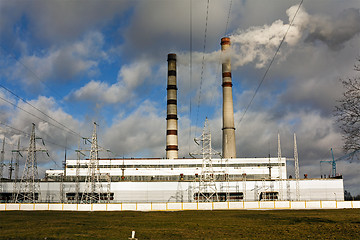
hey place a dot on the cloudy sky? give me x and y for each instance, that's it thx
(105, 61)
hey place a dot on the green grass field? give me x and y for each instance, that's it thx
(242, 224)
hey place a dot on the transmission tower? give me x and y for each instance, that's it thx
(29, 186)
(92, 181)
(207, 188)
(2, 159)
(296, 157)
(16, 169)
(280, 169)
(77, 175)
(2, 163)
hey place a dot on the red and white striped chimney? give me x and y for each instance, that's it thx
(228, 139)
(171, 119)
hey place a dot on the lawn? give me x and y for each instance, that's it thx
(228, 224)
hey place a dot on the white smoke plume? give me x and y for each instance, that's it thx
(258, 44)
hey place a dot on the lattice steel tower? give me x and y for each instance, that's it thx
(280, 170)
(2, 163)
(92, 181)
(29, 186)
(16, 169)
(207, 188)
(297, 175)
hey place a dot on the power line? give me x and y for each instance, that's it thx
(71, 131)
(271, 62)
(74, 133)
(219, 62)
(190, 72)
(203, 62)
(228, 18)
(29, 70)
(28, 135)
(39, 79)
(13, 104)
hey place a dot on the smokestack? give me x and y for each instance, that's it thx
(228, 143)
(171, 119)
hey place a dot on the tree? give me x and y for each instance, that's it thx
(347, 112)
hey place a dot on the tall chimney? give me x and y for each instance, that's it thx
(228, 143)
(171, 119)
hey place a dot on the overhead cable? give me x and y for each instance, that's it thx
(271, 62)
(203, 63)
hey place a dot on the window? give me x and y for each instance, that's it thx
(269, 196)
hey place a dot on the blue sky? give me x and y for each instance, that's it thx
(105, 61)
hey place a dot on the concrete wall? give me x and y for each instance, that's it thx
(183, 191)
(269, 205)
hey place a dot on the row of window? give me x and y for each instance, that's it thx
(181, 177)
(183, 166)
(72, 197)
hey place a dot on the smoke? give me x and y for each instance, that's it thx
(258, 44)
(334, 32)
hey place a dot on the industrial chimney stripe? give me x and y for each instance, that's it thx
(172, 87)
(171, 101)
(227, 84)
(171, 132)
(171, 116)
(226, 74)
(172, 148)
(172, 73)
(228, 138)
(225, 41)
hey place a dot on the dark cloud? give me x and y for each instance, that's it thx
(334, 32)
(57, 22)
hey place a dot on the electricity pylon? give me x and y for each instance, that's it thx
(16, 169)
(29, 186)
(92, 181)
(2, 163)
(297, 175)
(207, 188)
(280, 170)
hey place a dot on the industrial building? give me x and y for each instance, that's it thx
(205, 179)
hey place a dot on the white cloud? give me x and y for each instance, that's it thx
(129, 78)
(138, 134)
(64, 63)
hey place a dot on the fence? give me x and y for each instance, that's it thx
(180, 206)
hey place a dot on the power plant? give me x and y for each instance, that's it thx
(173, 179)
